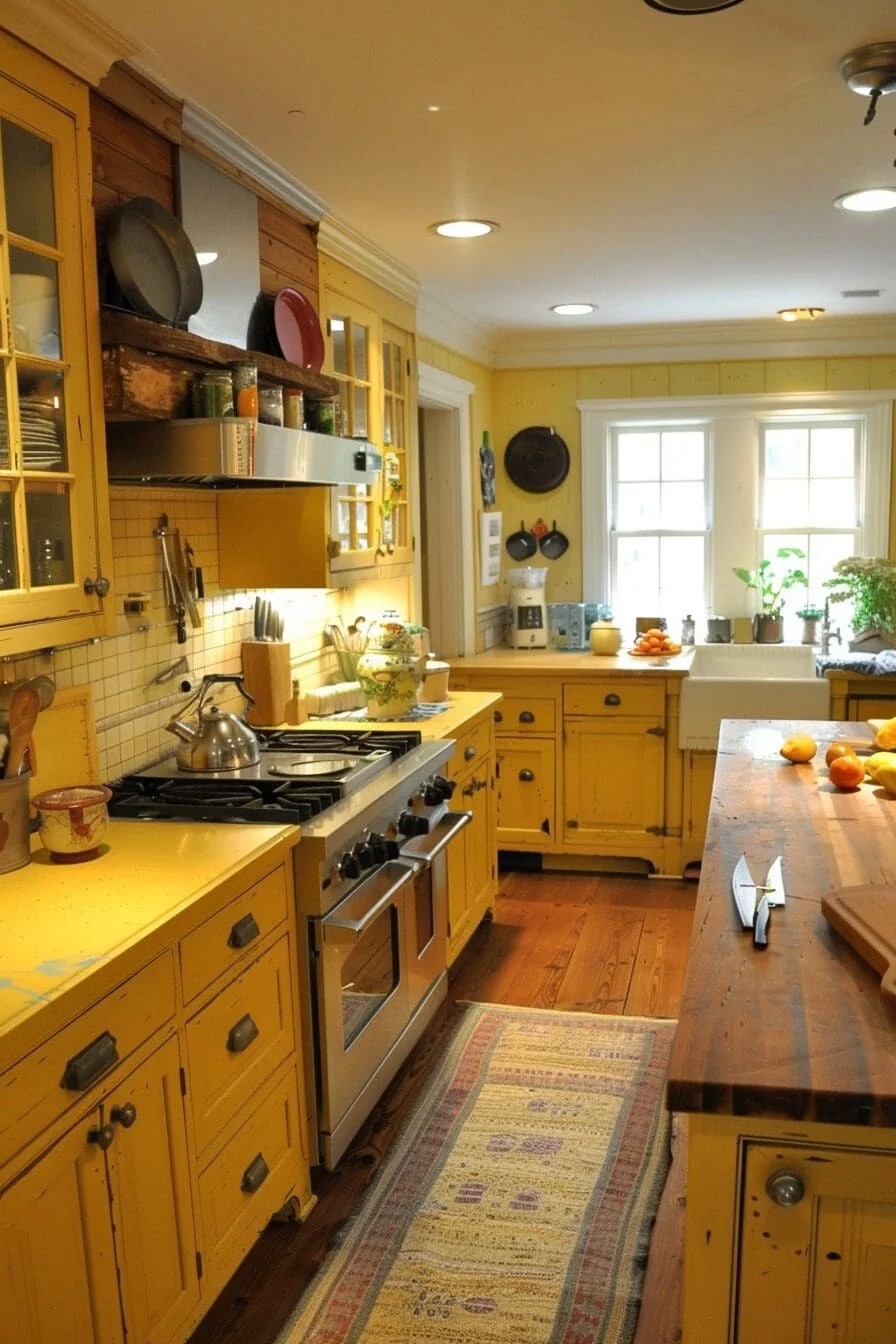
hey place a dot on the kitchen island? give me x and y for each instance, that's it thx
(785, 1061)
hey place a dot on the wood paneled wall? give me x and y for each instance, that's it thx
(137, 130)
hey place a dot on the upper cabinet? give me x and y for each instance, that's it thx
(55, 551)
(370, 531)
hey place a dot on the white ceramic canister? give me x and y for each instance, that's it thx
(605, 638)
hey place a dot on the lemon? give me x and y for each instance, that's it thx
(885, 737)
(886, 777)
(799, 748)
(877, 761)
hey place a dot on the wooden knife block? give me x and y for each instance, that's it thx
(266, 678)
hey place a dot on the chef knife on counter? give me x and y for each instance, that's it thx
(755, 901)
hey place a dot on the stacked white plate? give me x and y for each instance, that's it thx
(41, 449)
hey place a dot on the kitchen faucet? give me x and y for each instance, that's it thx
(827, 634)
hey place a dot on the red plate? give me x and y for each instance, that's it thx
(298, 330)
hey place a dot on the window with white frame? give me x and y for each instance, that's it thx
(675, 495)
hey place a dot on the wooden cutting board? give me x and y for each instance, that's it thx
(866, 918)
(65, 741)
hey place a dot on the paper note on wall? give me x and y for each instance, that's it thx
(489, 548)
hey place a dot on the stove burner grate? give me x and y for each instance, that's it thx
(397, 742)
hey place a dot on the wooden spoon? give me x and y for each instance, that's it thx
(23, 711)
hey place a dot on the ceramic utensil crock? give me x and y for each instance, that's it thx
(73, 821)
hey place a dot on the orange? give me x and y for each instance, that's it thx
(655, 634)
(846, 772)
(838, 749)
(799, 748)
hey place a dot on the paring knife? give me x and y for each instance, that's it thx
(755, 902)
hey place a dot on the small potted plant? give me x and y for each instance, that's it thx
(771, 581)
(869, 583)
(810, 616)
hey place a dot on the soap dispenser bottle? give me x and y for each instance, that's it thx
(687, 630)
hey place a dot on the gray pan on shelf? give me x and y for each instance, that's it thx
(153, 260)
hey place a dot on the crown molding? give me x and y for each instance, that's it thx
(207, 130)
(438, 321)
(69, 34)
(823, 338)
(343, 243)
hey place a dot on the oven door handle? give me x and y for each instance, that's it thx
(424, 848)
(345, 930)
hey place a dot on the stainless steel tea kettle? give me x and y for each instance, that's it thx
(217, 740)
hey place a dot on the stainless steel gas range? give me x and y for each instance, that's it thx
(370, 889)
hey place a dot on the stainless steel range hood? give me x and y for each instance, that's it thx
(234, 453)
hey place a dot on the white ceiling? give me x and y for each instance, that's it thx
(671, 169)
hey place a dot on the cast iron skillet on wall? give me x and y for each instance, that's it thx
(536, 459)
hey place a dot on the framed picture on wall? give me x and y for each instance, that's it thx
(489, 548)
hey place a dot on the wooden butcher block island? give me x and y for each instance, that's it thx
(785, 1060)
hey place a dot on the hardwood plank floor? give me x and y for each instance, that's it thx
(557, 940)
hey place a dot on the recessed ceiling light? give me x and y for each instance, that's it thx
(572, 309)
(866, 202)
(690, 6)
(799, 314)
(464, 228)
(206, 258)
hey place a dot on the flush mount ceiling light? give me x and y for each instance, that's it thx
(691, 6)
(572, 309)
(871, 71)
(799, 314)
(206, 258)
(464, 228)
(868, 201)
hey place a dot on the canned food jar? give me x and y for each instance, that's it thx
(293, 407)
(270, 405)
(245, 389)
(215, 395)
(322, 416)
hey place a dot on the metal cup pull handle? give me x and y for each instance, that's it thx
(526, 776)
(243, 932)
(526, 716)
(242, 1034)
(255, 1175)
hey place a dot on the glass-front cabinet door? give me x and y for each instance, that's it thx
(395, 497)
(52, 486)
(355, 531)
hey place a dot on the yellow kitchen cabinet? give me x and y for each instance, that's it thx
(698, 769)
(55, 547)
(526, 770)
(97, 1235)
(857, 696)
(614, 767)
(472, 859)
(811, 1251)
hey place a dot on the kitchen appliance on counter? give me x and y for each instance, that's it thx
(528, 609)
(371, 892)
(569, 623)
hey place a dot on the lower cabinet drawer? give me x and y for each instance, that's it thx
(227, 938)
(90, 1050)
(625, 696)
(251, 1177)
(525, 714)
(238, 1039)
(473, 745)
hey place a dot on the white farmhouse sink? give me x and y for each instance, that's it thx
(748, 681)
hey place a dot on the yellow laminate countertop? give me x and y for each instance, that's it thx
(62, 925)
(463, 706)
(519, 662)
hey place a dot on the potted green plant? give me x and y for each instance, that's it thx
(869, 583)
(770, 581)
(810, 616)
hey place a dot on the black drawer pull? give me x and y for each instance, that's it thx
(244, 932)
(526, 776)
(469, 753)
(90, 1063)
(241, 1035)
(103, 1137)
(124, 1115)
(499, 717)
(612, 699)
(526, 716)
(255, 1175)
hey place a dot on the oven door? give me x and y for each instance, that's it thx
(360, 990)
(427, 912)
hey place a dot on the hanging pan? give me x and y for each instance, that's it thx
(536, 459)
(521, 545)
(554, 544)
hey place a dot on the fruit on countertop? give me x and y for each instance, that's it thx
(799, 748)
(885, 737)
(838, 749)
(886, 778)
(846, 772)
(655, 641)
(877, 761)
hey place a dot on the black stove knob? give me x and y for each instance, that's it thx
(393, 849)
(348, 866)
(364, 855)
(378, 847)
(412, 823)
(442, 786)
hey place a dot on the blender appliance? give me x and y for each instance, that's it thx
(528, 609)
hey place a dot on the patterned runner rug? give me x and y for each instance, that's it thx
(516, 1204)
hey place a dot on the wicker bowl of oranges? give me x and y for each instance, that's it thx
(655, 643)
